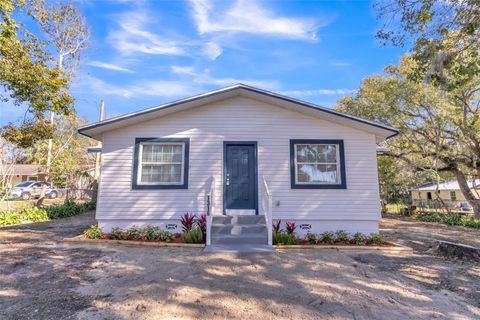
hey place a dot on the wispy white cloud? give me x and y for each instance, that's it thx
(109, 66)
(204, 78)
(133, 35)
(318, 92)
(212, 50)
(341, 64)
(249, 16)
(153, 88)
(183, 70)
(189, 81)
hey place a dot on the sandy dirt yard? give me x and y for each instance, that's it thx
(43, 278)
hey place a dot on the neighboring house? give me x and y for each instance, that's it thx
(429, 195)
(17, 173)
(319, 165)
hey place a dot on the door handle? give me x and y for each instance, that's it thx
(227, 182)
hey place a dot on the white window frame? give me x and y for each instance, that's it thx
(140, 164)
(337, 163)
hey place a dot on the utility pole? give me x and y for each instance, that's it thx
(98, 155)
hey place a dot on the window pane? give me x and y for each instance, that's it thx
(162, 153)
(327, 153)
(161, 173)
(147, 152)
(319, 173)
(306, 153)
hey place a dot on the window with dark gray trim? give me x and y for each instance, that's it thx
(160, 163)
(317, 164)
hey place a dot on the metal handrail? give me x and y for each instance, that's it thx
(210, 207)
(267, 204)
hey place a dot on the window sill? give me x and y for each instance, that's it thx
(318, 186)
(158, 186)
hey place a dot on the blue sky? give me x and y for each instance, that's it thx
(144, 53)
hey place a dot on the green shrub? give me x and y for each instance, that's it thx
(118, 234)
(429, 217)
(70, 208)
(376, 238)
(284, 238)
(327, 237)
(342, 236)
(93, 232)
(360, 239)
(193, 235)
(450, 219)
(471, 223)
(155, 233)
(151, 232)
(134, 233)
(34, 214)
(311, 238)
(164, 235)
(8, 218)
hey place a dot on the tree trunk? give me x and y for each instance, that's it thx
(467, 192)
(50, 146)
(48, 165)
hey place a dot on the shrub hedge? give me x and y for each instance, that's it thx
(149, 233)
(342, 237)
(450, 219)
(34, 214)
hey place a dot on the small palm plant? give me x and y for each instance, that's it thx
(187, 220)
(290, 226)
(276, 226)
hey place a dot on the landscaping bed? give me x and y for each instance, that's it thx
(176, 242)
(193, 232)
(329, 239)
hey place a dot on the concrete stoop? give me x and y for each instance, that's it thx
(239, 234)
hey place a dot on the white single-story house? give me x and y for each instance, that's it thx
(239, 151)
(427, 195)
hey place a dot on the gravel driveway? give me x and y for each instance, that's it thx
(43, 278)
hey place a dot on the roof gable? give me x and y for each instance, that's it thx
(381, 131)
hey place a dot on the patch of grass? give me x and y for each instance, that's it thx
(395, 207)
(450, 219)
(35, 214)
(9, 218)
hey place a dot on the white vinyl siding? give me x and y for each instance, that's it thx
(239, 119)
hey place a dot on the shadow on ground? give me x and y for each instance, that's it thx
(42, 278)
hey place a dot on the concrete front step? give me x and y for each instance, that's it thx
(232, 248)
(239, 239)
(235, 229)
(239, 219)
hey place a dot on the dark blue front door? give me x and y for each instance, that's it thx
(240, 190)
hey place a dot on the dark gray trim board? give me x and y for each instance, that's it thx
(186, 159)
(255, 155)
(232, 88)
(343, 175)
